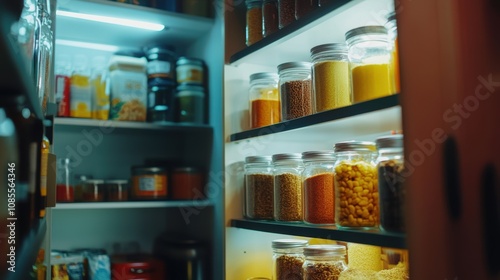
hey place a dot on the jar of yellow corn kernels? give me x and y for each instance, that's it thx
(356, 185)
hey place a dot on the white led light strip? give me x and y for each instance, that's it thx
(113, 20)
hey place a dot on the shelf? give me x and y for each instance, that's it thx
(371, 237)
(130, 205)
(181, 30)
(353, 115)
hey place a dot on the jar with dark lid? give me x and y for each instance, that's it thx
(190, 104)
(190, 71)
(161, 65)
(269, 17)
(149, 183)
(160, 103)
(259, 188)
(116, 190)
(288, 258)
(287, 171)
(304, 7)
(356, 185)
(390, 165)
(254, 21)
(187, 183)
(324, 262)
(286, 12)
(93, 190)
(295, 90)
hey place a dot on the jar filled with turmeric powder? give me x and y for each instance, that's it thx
(254, 21)
(265, 108)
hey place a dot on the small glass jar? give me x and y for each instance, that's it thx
(286, 12)
(369, 59)
(190, 71)
(259, 188)
(264, 98)
(392, 30)
(190, 104)
(64, 186)
(304, 7)
(324, 262)
(356, 185)
(269, 17)
(187, 183)
(331, 78)
(288, 187)
(254, 21)
(288, 258)
(160, 103)
(295, 89)
(149, 183)
(117, 190)
(93, 190)
(390, 165)
(161, 65)
(319, 189)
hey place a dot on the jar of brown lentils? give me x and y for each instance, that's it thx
(259, 188)
(286, 12)
(324, 262)
(295, 90)
(288, 258)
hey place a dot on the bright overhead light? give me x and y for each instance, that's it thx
(86, 45)
(113, 20)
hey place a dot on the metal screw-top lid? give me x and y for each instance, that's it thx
(323, 155)
(325, 250)
(189, 60)
(290, 156)
(258, 159)
(289, 243)
(188, 87)
(94, 181)
(391, 141)
(118, 182)
(294, 65)
(359, 146)
(366, 30)
(263, 75)
(337, 47)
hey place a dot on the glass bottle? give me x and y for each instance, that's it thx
(331, 78)
(286, 12)
(264, 100)
(269, 17)
(390, 165)
(304, 7)
(259, 188)
(392, 29)
(319, 190)
(64, 181)
(288, 258)
(324, 262)
(356, 185)
(369, 59)
(295, 89)
(254, 21)
(288, 187)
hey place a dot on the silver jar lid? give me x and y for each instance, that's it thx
(325, 250)
(117, 182)
(391, 141)
(359, 146)
(294, 65)
(93, 182)
(336, 47)
(258, 159)
(366, 30)
(263, 75)
(323, 155)
(287, 156)
(289, 243)
(189, 61)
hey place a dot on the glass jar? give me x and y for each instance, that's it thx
(269, 17)
(64, 181)
(190, 104)
(390, 165)
(324, 262)
(117, 190)
(356, 185)
(304, 7)
(98, 84)
(259, 188)
(160, 66)
(254, 21)
(286, 12)
(93, 190)
(149, 183)
(319, 190)
(288, 258)
(369, 59)
(331, 78)
(392, 29)
(187, 183)
(160, 103)
(45, 58)
(295, 89)
(287, 187)
(264, 100)
(190, 71)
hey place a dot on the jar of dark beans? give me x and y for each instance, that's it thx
(286, 12)
(304, 7)
(269, 17)
(295, 89)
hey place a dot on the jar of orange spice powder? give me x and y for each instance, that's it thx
(265, 108)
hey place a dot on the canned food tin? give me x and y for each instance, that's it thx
(190, 70)
(149, 182)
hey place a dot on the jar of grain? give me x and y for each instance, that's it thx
(324, 262)
(286, 12)
(269, 17)
(259, 188)
(288, 187)
(295, 89)
(390, 165)
(304, 7)
(254, 21)
(392, 30)
(288, 258)
(264, 100)
(356, 185)
(331, 78)
(319, 190)
(369, 59)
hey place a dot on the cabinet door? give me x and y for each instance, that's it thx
(450, 77)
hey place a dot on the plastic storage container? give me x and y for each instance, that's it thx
(287, 187)
(288, 258)
(190, 71)
(356, 185)
(93, 190)
(264, 100)
(149, 183)
(331, 77)
(259, 188)
(270, 22)
(254, 21)
(319, 188)
(295, 89)
(369, 58)
(286, 12)
(304, 7)
(190, 104)
(390, 165)
(160, 66)
(392, 30)
(324, 262)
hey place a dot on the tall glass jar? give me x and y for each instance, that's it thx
(331, 78)
(254, 21)
(259, 188)
(265, 104)
(319, 188)
(390, 165)
(392, 29)
(287, 187)
(324, 262)
(269, 17)
(286, 12)
(369, 59)
(295, 89)
(288, 258)
(356, 185)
